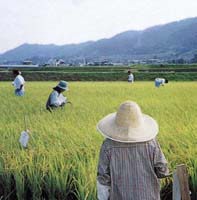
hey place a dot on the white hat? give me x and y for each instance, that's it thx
(128, 124)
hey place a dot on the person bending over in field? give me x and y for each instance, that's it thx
(131, 160)
(56, 98)
(18, 83)
(160, 81)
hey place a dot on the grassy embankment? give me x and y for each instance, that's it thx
(141, 73)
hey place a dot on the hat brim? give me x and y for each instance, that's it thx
(65, 89)
(146, 132)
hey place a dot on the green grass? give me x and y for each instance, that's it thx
(62, 157)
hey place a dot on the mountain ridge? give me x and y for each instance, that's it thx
(167, 41)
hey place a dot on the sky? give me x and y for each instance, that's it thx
(74, 21)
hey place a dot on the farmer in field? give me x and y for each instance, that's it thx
(130, 77)
(131, 160)
(18, 83)
(160, 81)
(56, 98)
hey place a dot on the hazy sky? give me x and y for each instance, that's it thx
(74, 21)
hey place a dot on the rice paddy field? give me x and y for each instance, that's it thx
(62, 155)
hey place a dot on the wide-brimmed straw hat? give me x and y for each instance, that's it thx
(62, 85)
(128, 124)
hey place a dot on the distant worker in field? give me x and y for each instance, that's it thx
(160, 81)
(18, 83)
(130, 77)
(131, 160)
(56, 98)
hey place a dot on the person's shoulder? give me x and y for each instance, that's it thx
(20, 77)
(154, 143)
(108, 143)
(53, 94)
(105, 141)
(17, 77)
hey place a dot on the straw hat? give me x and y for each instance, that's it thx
(62, 85)
(128, 124)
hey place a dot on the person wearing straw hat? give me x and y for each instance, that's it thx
(56, 98)
(18, 83)
(131, 160)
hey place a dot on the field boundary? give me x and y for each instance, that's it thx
(141, 73)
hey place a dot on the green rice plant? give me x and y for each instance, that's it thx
(61, 159)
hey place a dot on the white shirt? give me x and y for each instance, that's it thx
(130, 77)
(159, 81)
(57, 99)
(18, 81)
